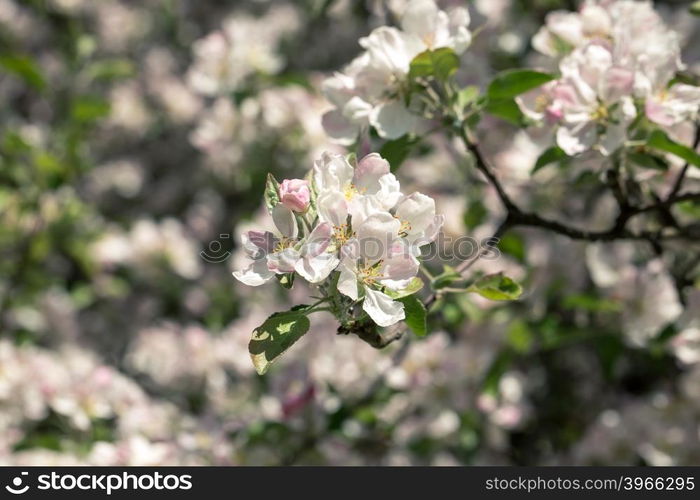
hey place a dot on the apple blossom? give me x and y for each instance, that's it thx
(373, 88)
(295, 194)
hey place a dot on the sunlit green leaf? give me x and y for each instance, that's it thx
(414, 286)
(277, 334)
(416, 315)
(659, 140)
(496, 287)
(272, 196)
(396, 151)
(552, 155)
(512, 83)
(440, 63)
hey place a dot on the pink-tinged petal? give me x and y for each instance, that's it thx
(295, 194)
(383, 310)
(565, 94)
(318, 241)
(400, 266)
(318, 268)
(255, 242)
(619, 82)
(658, 113)
(368, 171)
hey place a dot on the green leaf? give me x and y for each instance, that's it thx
(286, 280)
(496, 287)
(24, 67)
(659, 140)
(396, 151)
(414, 286)
(110, 70)
(505, 109)
(88, 109)
(277, 334)
(552, 155)
(272, 197)
(449, 275)
(467, 96)
(647, 160)
(441, 63)
(512, 83)
(695, 8)
(416, 315)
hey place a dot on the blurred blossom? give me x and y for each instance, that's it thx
(243, 46)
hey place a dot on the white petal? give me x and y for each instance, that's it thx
(392, 120)
(316, 269)
(389, 191)
(332, 171)
(284, 261)
(339, 128)
(285, 222)
(347, 281)
(575, 140)
(332, 207)
(255, 274)
(383, 310)
(368, 172)
(418, 210)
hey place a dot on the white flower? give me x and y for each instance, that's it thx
(270, 254)
(343, 190)
(372, 89)
(376, 258)
(591, 104)
(419, 224)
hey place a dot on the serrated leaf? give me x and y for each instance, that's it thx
(496, 287)
(512, 83)
(277, 334)
(440, 63)
(272, 197)
(414, 286)
(505, 109)
(397, 150)
(552, 155)
(25, 68)
(416, 315)
(661, 141)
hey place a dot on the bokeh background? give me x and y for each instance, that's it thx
(123, 156)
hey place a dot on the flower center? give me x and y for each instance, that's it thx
(600, 114)
(405, 228)
(341, 234)
(283, 244)
(370, 274)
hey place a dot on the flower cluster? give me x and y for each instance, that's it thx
(618, 61)
(347, 229)
(373, 89)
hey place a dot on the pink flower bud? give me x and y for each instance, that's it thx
(295, 194)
